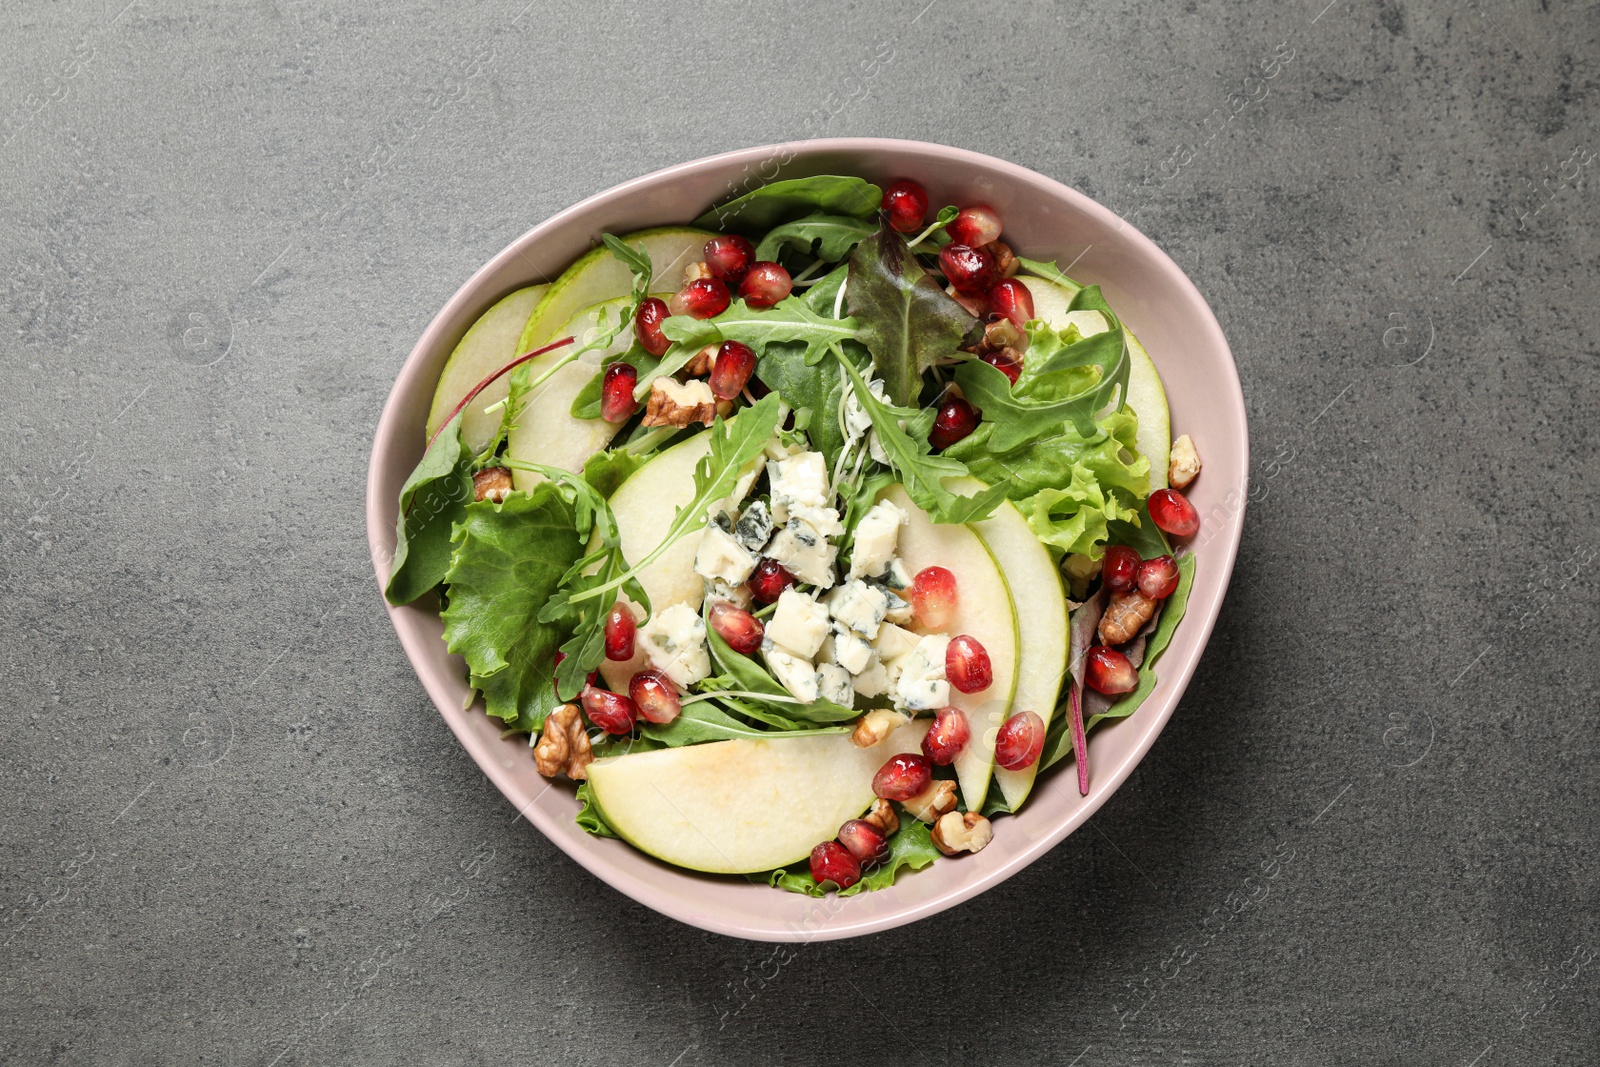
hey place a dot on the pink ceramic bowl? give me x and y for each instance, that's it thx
(1044, 220)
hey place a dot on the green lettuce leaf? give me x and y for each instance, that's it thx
(431, 501)
(509, 559)
(775, 203)
(589, 816)
(829, 236)
(907, 321)
(910, 848)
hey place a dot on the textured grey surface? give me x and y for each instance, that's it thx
(235, 832)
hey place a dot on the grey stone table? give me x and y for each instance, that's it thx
(235, 832)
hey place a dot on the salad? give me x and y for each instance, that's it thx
(802, 539)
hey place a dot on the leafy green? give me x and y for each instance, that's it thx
(734, 443)
(1142, 535)
(430, 503)
(700, 722)
(589, 816)
(509, 559)
(775, 203)
(1058, 742)
(791, 319)
(907, 321)
(608, 470)
(1048, 271)
(748, 676)
(823, 296)
(586, 405)
(910, 848)
(832, 237)
(1069, 381)
(819, 390)
(921, 472)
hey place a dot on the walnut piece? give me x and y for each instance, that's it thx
(563, 746)
(974, 305)
(695, 271)
(876, 725)
(1004, 258)
(933, 802)
(956, 832)
(491, 483)
(882, 815)
(701, 362)
(1185, 465)
(1126, 613)
(1004, 334)
(674, 403)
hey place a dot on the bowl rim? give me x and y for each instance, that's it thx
(1179, 665)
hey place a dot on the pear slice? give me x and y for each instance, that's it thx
(1041, 607)
(983, 611)
(489, 344)
(738, 807)
(598, 276)
(1145, 395)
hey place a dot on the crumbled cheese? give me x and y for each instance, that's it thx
(823, 520)
(833, 683)
(675, 643)
(723, 593)
(798, 481)
(874, 681)
(721, 558)
(856, 419)
(754, 528)
(894, 642)
(793, 672)
(921, 685)
(876, 536)
(799, 624)
(850, 650)
(859, 606)
(899, 610)
(804, 553)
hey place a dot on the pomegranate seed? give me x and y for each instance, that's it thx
(907, 205)
(933, 597)
(1019, 742)
(864, 841)
(1005, 365)
(1010, 299)
(1171, 511)
(647, 326)
(955, 420)
(703, 298)
(974, 226)
(1119, 568)
(620, 628)
(742, 630)
(947, 736)
(970, 270)
(765, 285)
(616, 392)
(832, 862)
(903, 777)
(594, 676)
(612, 712)
(734, 365)
(728, 257)
(769, 581)
(1110, 672)
(966, 664)
(655, 696)
(1157, 578)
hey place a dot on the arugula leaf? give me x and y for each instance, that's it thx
(791, 319)
(819, 390)
(700, 722)
(1049, 272)
(734, 443)
(750, 677)
(920, 471)
(1058, 741)
(431, 501)
(833, 236)
(823, 296)
(908, 322)
(910, 848)
(509, 559)
(1141, 534)
(775, 203)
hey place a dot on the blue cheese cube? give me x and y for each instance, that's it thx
(793, 672)
(899, 610)
(877, 534)
(798, 481)
(799, 624)
(804, 553)
(921, 684)
(722, 558)
(823, 520)
(833, 683)
(754, 528)
(675, 643)
(894, 642)
(896, 575)
(874, 681)
(850, 650)
(859, 606)
(723, 593)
